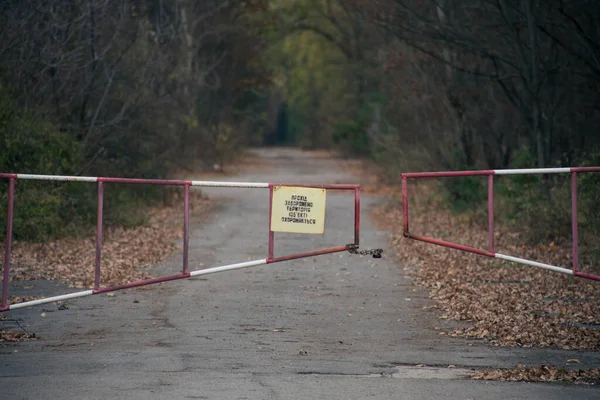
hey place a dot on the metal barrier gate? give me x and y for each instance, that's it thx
(298, 203)
(300, 210)
(490, 251)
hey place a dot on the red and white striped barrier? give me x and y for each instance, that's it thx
(4, 306)
(490, 251)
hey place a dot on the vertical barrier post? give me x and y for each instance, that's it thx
(405, 203)
(491, 213)
(574, 221)
(186, 227)
(99, 233)
(8, 241)
(271, 233)
(356, 216)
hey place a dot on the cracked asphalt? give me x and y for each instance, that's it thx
(337, 326)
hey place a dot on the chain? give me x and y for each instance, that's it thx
(353, 249)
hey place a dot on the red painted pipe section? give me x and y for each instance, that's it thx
(491, 213)
(329, 187)
(141, 283)
(8, 242)
(452, 245)
(585, 169)
(587, 276)
(447, 174)
(312, 253)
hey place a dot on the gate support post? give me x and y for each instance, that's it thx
(574, 221)
(405, 204)
(186, 227)
(491, 213)
(8, 242)
(357, 216)
(271, 233)
(99, 234)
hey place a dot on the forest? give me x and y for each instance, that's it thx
(142, 88)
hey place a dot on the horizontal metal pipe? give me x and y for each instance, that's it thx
(587, 276)
(229, 184)
(329, 250)
(185, 183)
(324, 186)
(531, 171)
(585, 169)
(63, 178)
(446, 174)
(451, 245)
(143, 282)
(51, 299)
(518, 171)
(171, 182)
(534, 264)
(136, 181)
(228, 267)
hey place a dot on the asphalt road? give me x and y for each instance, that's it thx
(337, 326)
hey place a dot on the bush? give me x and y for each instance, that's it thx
(29, 145)
(467, 192)
(351, 133)
(44, 209)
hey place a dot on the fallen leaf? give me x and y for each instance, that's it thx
(540, 374)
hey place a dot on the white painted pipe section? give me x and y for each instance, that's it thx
(534, 264)
(230, 184)
(58, 178)
(51, 299)
(228, 267)
(531, 171)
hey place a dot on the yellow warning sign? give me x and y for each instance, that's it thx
(298, 210)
